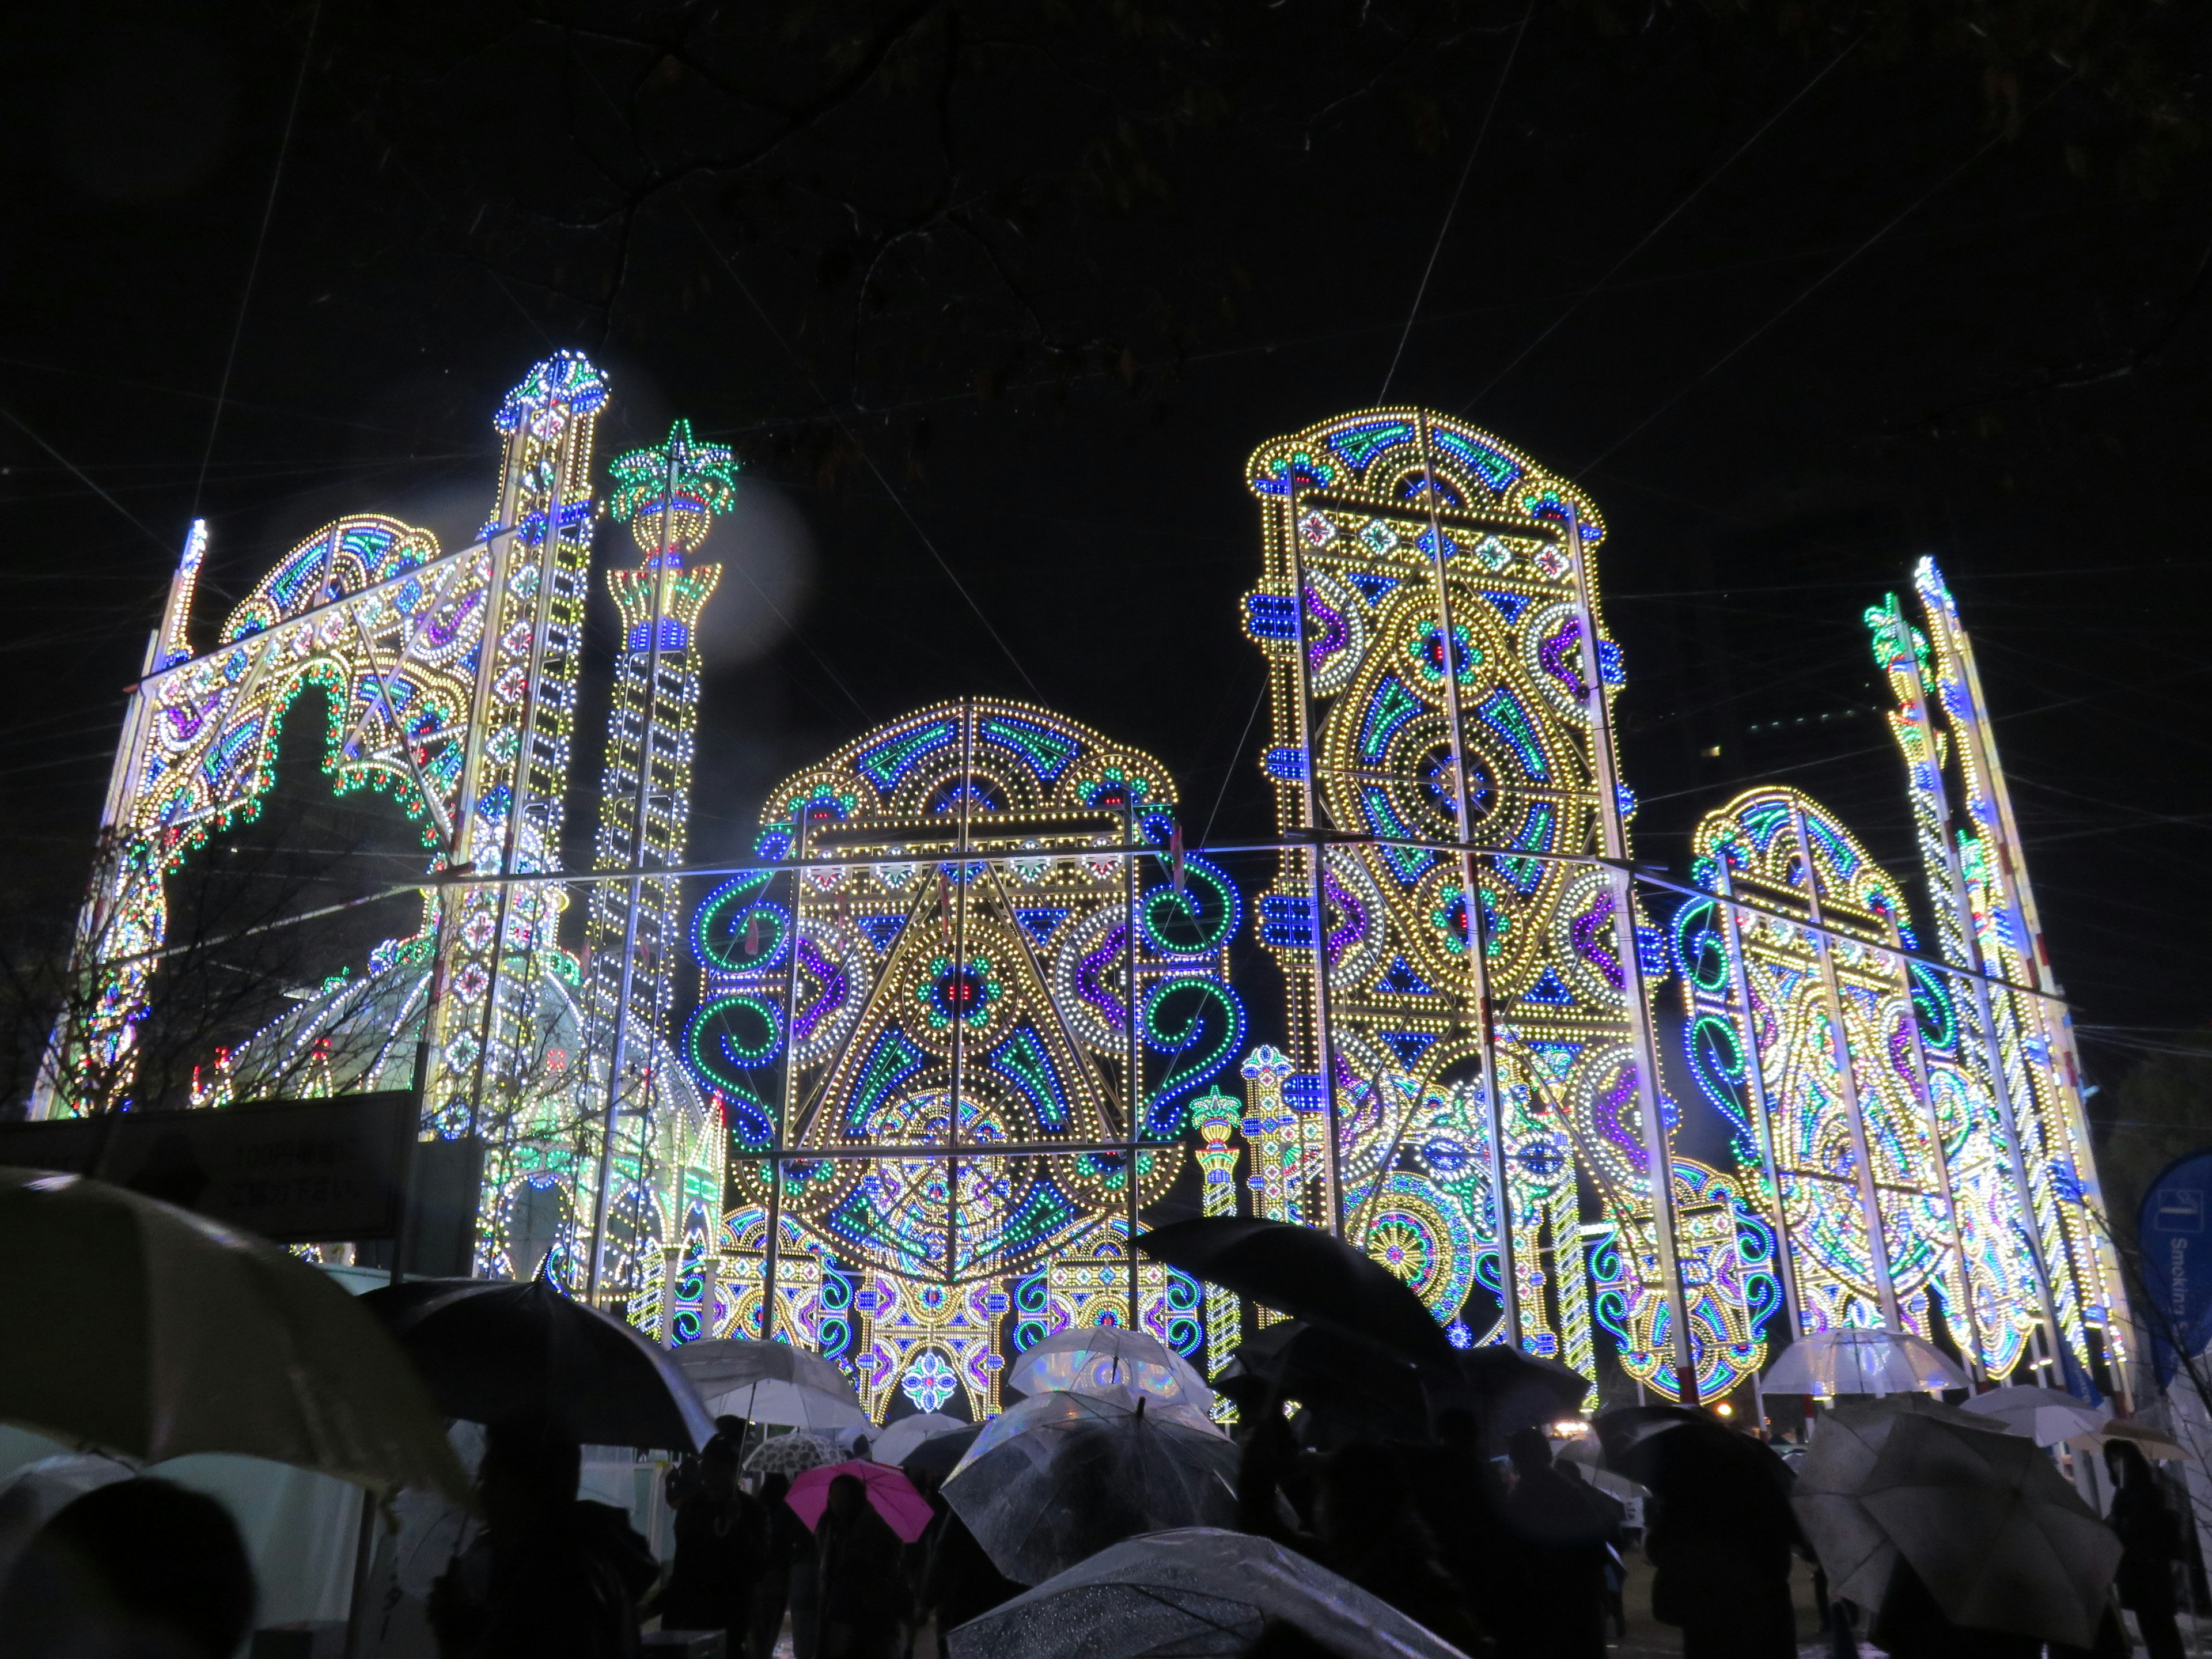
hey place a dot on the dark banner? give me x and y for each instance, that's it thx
(2175, 1229)
(296, 1172)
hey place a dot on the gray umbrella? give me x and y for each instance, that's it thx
(2000, 1541)
(1063, 1475)
(1192, 1592)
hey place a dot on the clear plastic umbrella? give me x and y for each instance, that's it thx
(1063, 1475)
(789, 1454)
(2043, 1415)
(720, 1364)
(902, 1439)
(770, 1400)
(1105, 1355)
(1856, 1361)
(1194, 1591)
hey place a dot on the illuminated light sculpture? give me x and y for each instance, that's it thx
(2016, 1039)
(1442, 699)
(1879, 1178)
(1217, 1117)
(449, 681)
(957, 1045)
(669, 496)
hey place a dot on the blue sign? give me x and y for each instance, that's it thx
(2174, 1227)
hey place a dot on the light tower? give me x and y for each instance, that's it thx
(668, 495)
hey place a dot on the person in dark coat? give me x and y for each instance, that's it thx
(1462, 1500)
(786, 1549)
(863, 1596)
(959, 1581)
(1563, 1531)
(1720, 1536)
(2150, 1542)
(1910, 1626)
(722, 1539)
(551, 1576)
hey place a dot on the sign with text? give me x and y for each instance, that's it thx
(297, 1172)
(2174, 1228)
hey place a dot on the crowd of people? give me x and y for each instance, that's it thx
(1506, 1557)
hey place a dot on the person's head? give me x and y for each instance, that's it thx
(138, 1570)
(774, 1487)
(846, 1499)
(1529, 1450)
(733, 1428)
(2126, 1464)
(717, 1467)
(530, 1471)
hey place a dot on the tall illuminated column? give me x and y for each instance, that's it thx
(668, 495)
(512, 776)
(1216, 1116)
(1271, 1130)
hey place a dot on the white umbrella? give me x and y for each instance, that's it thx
(719, 1363)
(2043, 1415)
(772, 1401)
(898, 1443)
(1083, 1360)
(2152, 1443)
(1853, 1360)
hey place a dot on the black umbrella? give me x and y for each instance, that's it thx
(1694, 1461)
(1508, 1389)
(1353, 1388)
(490, 1350)
(940, 1452)
(1302, 1270)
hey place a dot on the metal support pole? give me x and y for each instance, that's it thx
(1317, 900)
(1477, 944)
(772, 1245)
(1135, 1059)
(1847, 1080)
(959, 892)
(1658, 1152)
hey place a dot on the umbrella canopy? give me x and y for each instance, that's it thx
(1349, 1384)
(906, 1436)
(490, 1349)
(1194, 1591)
(1999, 1538)
(1061, 1476)
(1509, 1389)
(789, 1454)
(941, 1453)
(1854, 1551)
(1699, 1466)
(1856, 1361)
(1304, 1271)
(2153, 1442)
(890, 1495)
(718, 1365)
(199, 1339)
(2043, 1415)
(769, 1399)
(1106, 1355)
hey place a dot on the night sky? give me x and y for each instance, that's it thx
(994, 306)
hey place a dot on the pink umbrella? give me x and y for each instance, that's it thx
(892, 1495)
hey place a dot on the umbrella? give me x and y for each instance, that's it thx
(1349, 1384)
(2043, 1415)
(2153, 1442)
(770, 1400)
(1096, 1354)
(890, 1494)
(898, 1441)
(718, 1365)
(941, 1453)
(491, 1349)
(191, 1337)
(1302, 1270)
(1508, 1389)
(1695, 1463)
(2000, 1541)
(789, 1454)
(1854, 1551)
(1061, 1476)
(1194, 1591)
(1853, 1360)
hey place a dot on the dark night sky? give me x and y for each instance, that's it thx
(1887, 327)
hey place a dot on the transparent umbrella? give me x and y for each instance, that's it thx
(1105, 1355)
(902, 1439)
(1856, 1361)
(789, 1454)
(1194, 1591)
(1063, 1475)
(770, 1400)
(2043, 1415)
